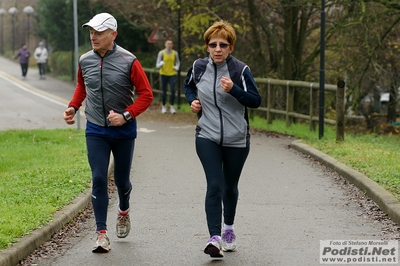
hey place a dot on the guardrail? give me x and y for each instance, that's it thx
(281, 93)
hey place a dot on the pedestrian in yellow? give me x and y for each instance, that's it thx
(168, 63)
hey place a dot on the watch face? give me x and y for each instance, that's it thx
(127, 116)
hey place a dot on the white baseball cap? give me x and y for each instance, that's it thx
(101, 22)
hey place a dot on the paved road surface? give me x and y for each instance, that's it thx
(287, 203)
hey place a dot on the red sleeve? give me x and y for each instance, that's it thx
(143, 90)
(80, 92)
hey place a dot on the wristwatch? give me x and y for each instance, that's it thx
(127, 116)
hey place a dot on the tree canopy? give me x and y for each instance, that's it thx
(277, 38)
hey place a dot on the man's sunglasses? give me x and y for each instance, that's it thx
(222, 45)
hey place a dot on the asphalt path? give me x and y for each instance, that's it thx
(22, 108)
(287, 204)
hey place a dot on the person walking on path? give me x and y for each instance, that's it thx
(168, 63)
(41, 55)
(23, 54)
(219, 88)
(108, 78)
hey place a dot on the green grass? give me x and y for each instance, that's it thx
(41, 171)
(376, 156)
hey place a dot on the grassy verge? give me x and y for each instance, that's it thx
(41, 171)
(375, 156)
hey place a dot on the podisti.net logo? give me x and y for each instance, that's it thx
(359, 251)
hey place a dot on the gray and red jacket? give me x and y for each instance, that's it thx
(223, 118)
(110, 83)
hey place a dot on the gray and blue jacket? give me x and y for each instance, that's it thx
(223, 118)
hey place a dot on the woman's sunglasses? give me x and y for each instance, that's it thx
(222, 45)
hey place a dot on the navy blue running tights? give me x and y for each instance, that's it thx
(165, 80)
(222, 167)
(99, 149)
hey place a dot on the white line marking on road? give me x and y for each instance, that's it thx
(183, 127)
(145, 130)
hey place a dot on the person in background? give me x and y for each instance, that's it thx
(109, 77)
(168, 63)
(23, 54)
(219, 88)
(41, 55)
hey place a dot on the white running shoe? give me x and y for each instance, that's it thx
(102, 244)
(123, 226)
(213, 247)
(228, 240)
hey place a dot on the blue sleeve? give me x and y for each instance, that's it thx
(250, 98)
(189, 87)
